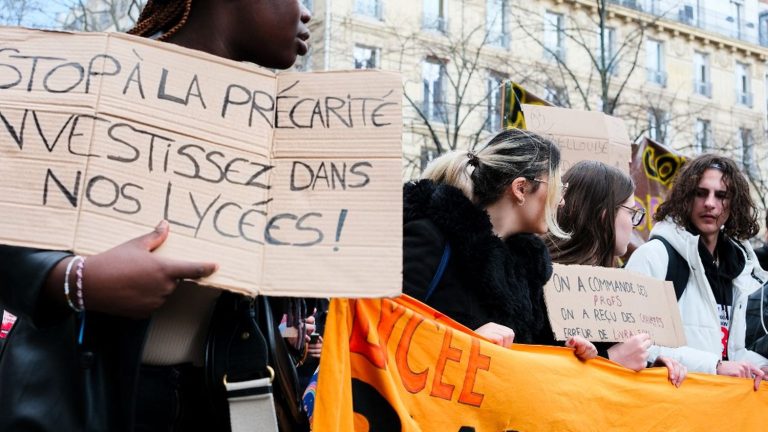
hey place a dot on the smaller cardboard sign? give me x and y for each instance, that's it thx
(612, 305)
(582, 135)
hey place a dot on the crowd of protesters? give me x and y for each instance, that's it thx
(481, 229)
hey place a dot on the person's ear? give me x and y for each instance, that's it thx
(516, 190)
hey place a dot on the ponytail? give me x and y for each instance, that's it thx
(484, 175)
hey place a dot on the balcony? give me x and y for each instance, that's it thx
(657, 77)
(706, 19)
(702, 88)
(744, 98)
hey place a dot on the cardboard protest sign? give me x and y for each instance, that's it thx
(291, 181)
(402, 366)
(612, 305)
(581, 135)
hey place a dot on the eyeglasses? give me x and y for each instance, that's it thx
(637, 214)
(563, 187)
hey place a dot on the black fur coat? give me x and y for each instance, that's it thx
(487, 279)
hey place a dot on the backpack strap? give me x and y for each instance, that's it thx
(440, 270)
(678, 270)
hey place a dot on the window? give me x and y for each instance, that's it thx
(365, 57)
(743, 85)
(688, 14)
(701, 80)
(309, 4)
(762, 23)
(494, 89)
(654, 53)
(556, 95)
(653, 7)
(738, 18)
(766, 95)
(434, 15)
(703, 136)
(606, 44)
(657, 125)
(427, 154)
(496, 22)
(554, 36)
(746, 150)
(434, 77)
(370, 8)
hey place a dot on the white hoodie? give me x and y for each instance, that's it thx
(698, 308)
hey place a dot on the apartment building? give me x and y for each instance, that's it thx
(689, 73)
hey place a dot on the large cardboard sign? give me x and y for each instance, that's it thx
(582, 135)
(291, 181)
(612, 305)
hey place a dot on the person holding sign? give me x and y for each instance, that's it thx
(700, 242)
(600, 213)
(83, 356)
(468, 240)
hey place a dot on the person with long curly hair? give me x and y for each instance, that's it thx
(133, 373)
(706, 222)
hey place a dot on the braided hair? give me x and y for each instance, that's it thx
(166, 16)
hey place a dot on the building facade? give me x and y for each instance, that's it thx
(688, 73)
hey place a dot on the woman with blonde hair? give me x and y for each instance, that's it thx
(470, 244)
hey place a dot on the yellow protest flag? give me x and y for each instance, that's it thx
(397, 365)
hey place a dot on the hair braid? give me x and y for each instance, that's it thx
(167, 16)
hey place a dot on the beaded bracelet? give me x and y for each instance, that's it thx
(79, 284)
(77, 258)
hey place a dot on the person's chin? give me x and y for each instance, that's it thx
(707, 227)
(285, 63)
(302, 47)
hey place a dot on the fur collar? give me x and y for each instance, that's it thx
(509, 274)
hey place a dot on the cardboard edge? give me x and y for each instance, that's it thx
(677, 322)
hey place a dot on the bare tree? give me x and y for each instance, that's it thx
(18, 12)
(596, 70)
(101, 15)
(456, 105)
(663, 117)
(601, 82)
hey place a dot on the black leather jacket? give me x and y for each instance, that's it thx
(48, 382)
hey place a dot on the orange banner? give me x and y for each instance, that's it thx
(397, 365)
